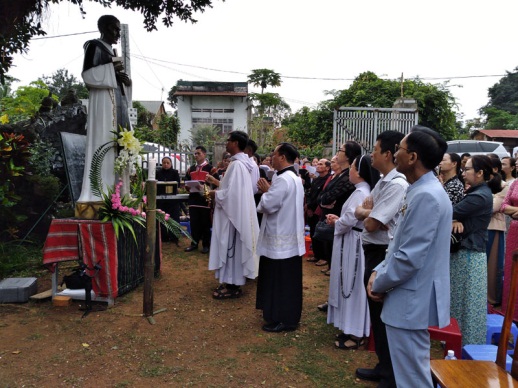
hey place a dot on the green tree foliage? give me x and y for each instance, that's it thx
(264, 78)
(173, 101)
(6, 88)
(269, 109)
(168, 128)
(310, 127)
(206, 135)
(435, 103)
(21, 20)
(24, 102)
(502, 108)
(61, 81)
(313, 127)
(14, 152)
(144, 117)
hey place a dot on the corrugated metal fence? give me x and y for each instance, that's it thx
(363, 125)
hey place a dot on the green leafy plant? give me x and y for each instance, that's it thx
(121, 211)
(124, 211)
(14, 155)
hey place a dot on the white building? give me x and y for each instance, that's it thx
(224, 105)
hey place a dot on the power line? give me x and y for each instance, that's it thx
(60, 36)
(322, 78)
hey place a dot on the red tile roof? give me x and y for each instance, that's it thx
(510, 133)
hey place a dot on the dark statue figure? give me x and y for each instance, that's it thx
(104, 76)
(70, 98)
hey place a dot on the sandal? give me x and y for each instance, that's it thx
(225, 293)
(311, 259)
(321, 263)
(323, 307)
(342, 337)
(219, 288)
(350, 343)
(327, 273)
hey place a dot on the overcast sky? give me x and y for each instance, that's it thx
(473, 43)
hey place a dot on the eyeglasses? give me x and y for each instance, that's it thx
(398, 147)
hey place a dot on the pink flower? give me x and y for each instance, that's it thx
(144, 214)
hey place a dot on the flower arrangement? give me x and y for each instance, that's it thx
(124, 210)
(129, 152)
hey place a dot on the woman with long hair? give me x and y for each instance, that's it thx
(468, 266)
(495, 249)
(509, 169)
(449, 172)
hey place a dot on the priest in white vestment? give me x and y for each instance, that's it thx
(107, 104)
(235, 228)
(281, 244)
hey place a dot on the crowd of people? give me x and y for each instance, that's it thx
(389, 216)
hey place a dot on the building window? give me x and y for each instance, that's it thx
(223, 125)
(210, 110)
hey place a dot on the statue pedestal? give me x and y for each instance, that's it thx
(88, 210)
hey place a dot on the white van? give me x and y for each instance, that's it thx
(477, 147)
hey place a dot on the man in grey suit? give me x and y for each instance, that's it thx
(414, 279)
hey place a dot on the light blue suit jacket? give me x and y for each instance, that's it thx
(416, 271)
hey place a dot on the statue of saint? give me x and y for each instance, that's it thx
(104, 76)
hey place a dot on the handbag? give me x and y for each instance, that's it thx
(324, 231)
(455, 241)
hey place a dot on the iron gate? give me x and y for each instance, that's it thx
(363, 125)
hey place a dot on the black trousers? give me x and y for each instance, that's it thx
(279, 290)
(375, 254)
(173, 209)
(200, 225)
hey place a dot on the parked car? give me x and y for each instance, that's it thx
(478, 147)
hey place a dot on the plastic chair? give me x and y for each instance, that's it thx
(476, 373)
(494, 326)
(187, 225)
(450, 334)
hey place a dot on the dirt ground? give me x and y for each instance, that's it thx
(196, 341)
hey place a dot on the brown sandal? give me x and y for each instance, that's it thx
(321, 263)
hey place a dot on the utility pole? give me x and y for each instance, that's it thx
(125, 47)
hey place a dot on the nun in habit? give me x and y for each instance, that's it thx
(348, 308)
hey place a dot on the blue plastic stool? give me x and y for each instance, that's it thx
(484, 353)
(494, 324)
(187, 225)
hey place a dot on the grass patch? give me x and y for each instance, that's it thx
(35, 336)
(17, 260)
(158, 370)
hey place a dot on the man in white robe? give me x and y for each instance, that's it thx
(107, 108)
(235, 228)
(281, 244)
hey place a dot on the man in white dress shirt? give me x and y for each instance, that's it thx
(281, 244)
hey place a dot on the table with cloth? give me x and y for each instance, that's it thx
(94, 242)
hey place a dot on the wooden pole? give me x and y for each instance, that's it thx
(149, 259)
